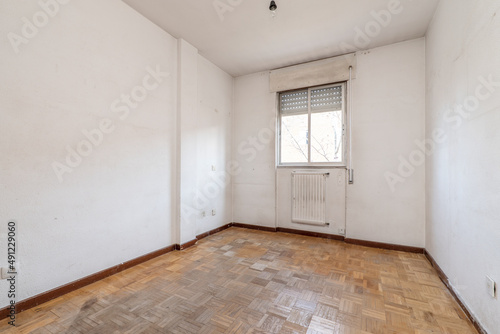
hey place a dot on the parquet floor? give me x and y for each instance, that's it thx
(245, 281)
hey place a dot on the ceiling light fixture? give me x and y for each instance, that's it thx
(272, 8)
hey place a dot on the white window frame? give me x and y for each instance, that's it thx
(342, 163)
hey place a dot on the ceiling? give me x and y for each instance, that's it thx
(241, 37)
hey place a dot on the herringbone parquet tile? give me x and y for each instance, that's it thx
(245, 281)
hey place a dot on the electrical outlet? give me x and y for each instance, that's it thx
(203, 213)
(341, 231)
(213, 168)
(492, 286)
(6, 272)
(213, 212)
(3, 273)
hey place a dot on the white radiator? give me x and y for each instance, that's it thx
(309, 198)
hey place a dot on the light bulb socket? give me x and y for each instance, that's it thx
(273, 6)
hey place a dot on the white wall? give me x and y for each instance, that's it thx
(204, 144)
(117, 204)
(254, 123)
(389, 108)
(204, 123)
(213, 136)
(62, 82)
(187, 127)
(463, 230)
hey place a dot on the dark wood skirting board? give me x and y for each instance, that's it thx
(446, 282)
(67, 288)
(373, 244)
(311, 234)
(217, 230)
(202, 236)
(270, 229)
(186, 244)
(255, 227)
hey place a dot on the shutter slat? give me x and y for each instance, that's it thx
(294, 102)
(326, 99)
(322, 99)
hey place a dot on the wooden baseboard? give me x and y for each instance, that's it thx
(255, 227)
(446, 282)
(201, 236)
(217, 230)
(186, 244)
(373, 244)
(67, 288)
(440, 272)
(311, 234)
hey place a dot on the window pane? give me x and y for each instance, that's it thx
(294, 138)
(326, 136)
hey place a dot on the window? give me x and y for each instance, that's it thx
(312, 126)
